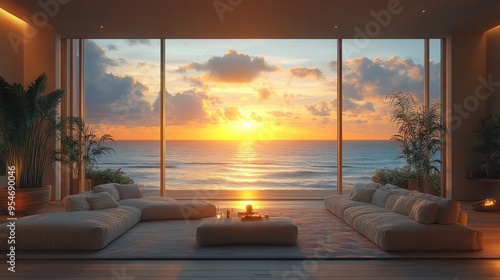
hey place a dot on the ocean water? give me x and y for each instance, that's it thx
(251, 165)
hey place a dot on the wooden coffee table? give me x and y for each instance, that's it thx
(232, 231)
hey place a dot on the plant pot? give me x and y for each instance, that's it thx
(28, 201)
(493, 172)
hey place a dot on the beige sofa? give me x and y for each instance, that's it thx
(401, 220)
(94, 219)
(77, 230)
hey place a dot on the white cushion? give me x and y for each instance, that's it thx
(380, 197)
(448, 211)
(400, 191)
(391, 201)
(77, 202)
(424, 211)
(362, 194)
(389, 187)
(128, 191)
(109, 188)
(102, 200)
(404, 205)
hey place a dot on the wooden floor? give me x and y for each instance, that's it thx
(456, 269)
(442, 269)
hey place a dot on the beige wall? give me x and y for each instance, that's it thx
(12, 57)
(493, 66)
(475, 70)
(26, 51)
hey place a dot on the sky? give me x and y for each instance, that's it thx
(251, 89)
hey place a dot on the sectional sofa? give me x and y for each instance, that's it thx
(402, 220)
(94, 219)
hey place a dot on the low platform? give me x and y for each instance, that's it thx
(232, 231)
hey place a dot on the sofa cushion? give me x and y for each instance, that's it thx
(164, 208)
(424, 211)
(77, 230)
(404, 205)
(102, 201)
(362, 194)
(77, 202)
(109, 188)
(338, 204)
(393, 232)
(448, 211)
(391, 200)
(128, 191)
(388, 187)
(400, 191)
(380, 197)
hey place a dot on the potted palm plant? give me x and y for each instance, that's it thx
(420, 129)
(488, 133)
(27, 137)
(81, 147)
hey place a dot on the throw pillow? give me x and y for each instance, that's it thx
(404, 205)
(391, 200)
(77, 202)
(362, 194)
(424, 211)
(102, 200)
(448, 211)
(128, 191)
(400, 191)
(109, 188)
(380, 197)
(389, 187)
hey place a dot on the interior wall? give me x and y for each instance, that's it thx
(27, 49)
(468, 104)
(493, 69)
(11, 54)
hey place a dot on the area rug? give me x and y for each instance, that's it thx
(321, 236)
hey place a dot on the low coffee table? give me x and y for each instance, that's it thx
(232, 231)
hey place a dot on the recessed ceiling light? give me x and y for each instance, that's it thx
(423, 11)
(336, 26)
(102, 26)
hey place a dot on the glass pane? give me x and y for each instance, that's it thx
(251, 114)
(121, 87)
(370, 74)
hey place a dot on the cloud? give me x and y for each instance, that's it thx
(233, 67)
(265, 94)
(113, 99)
(280, 114)
(232, 113)
(255, 117)
(196, 82)
(112, 47)
(378, 77)
(305, 72)
(186, 108)
(134, 42)
(321, 109)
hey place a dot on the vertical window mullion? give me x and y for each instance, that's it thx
(339, 116)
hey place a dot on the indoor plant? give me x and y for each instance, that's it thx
(488, 133)
(81, 147)
(27, 138)
(419, 133)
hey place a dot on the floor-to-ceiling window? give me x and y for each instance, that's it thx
(371, 73)
(251, 114)
(122, 85)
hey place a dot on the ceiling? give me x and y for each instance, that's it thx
(264, 18)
